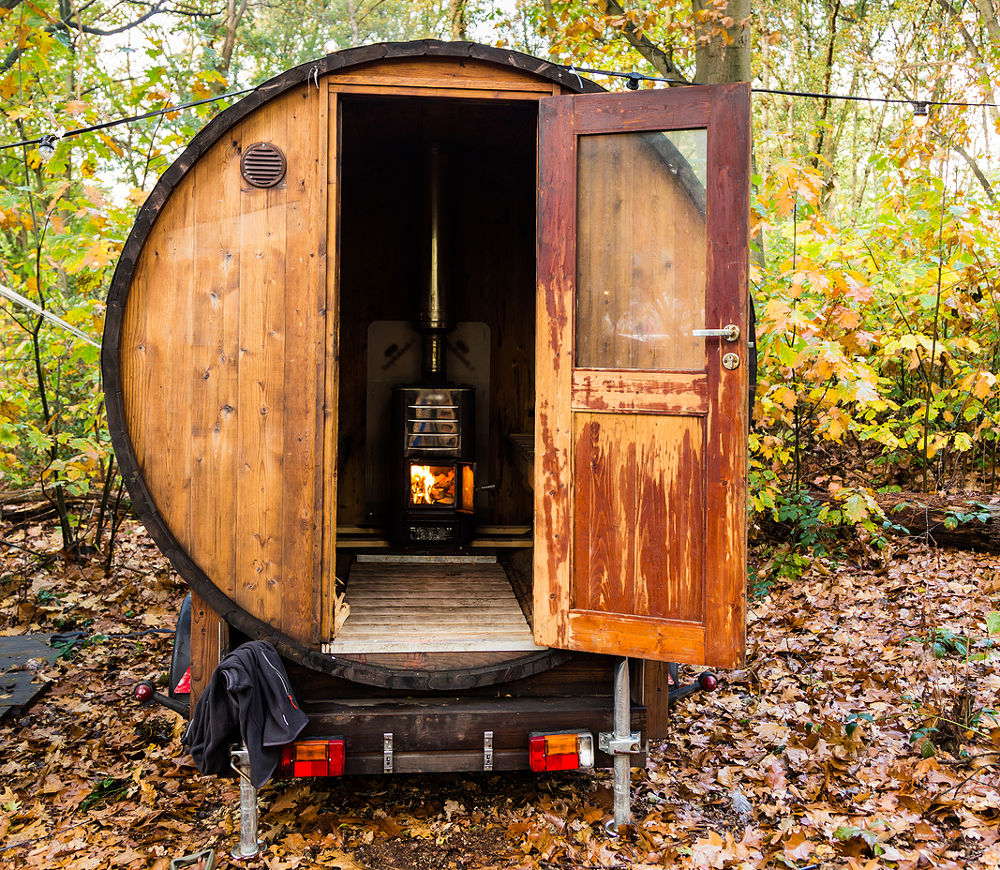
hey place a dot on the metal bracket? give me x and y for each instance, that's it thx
(608, 743)
(487, 750)
(387, 752)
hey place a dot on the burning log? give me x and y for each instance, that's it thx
(432, 484)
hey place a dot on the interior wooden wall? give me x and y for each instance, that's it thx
(222, 362)
(491, 266)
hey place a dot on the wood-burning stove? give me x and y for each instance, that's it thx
(433, 422)
(434, 481)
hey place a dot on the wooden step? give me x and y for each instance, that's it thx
(425, 605)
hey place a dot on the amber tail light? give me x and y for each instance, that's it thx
(312, 758)
(564, 750)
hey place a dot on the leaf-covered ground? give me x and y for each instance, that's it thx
(862, 733)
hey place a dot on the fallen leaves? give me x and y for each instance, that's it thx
(812, 755)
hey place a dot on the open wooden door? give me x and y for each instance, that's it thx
(641, 424)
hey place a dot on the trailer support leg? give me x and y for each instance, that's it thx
(621, 745)
(249, 845)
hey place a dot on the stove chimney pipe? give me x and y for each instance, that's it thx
(432, 321)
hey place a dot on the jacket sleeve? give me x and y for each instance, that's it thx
(214, 726)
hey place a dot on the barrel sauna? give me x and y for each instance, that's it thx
(402, 374)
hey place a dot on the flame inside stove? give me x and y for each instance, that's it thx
(432, 484)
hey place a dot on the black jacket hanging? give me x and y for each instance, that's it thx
(249, 698)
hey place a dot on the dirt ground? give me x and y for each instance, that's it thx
(862, 732)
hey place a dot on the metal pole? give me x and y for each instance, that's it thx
(249, 845)
(623, 763)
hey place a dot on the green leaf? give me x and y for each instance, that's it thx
(850, 832)
(855, 508)
(993, 622)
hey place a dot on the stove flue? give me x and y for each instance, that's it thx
(433, 435)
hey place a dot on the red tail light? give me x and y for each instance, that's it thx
(312, 758)
(564, 750)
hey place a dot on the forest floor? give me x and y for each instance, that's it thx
(862, 732)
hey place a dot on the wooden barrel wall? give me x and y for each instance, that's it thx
(220, 355)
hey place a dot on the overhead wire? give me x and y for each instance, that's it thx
(632, 82)
(48, 141)
(635, 77)
(52, 138)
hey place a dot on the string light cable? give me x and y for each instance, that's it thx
(47, 142)
(920, 107)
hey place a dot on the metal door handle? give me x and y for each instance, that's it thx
(729, 333)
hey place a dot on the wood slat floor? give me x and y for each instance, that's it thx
(430, 607)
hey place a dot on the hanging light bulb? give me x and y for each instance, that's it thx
(921, 114)
(47, 146)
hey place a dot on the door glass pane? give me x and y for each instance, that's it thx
(640, 261)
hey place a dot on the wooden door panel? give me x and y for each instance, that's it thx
(616, 113)
(638, 501)
(640, 637)
(640, 488)
(670, 522)
(604, 507)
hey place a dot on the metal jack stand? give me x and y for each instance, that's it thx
(622, 744)
(249, 846)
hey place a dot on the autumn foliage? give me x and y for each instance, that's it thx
(862, 733)
(863, 730)
(875, 239)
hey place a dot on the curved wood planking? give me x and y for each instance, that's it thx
(211, 390)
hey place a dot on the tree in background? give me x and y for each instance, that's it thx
(875, 276)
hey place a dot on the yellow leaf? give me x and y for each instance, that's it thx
(985, 382)
(784, 396)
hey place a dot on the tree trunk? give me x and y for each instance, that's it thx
(723, 41)
(976, 525)
(234, 15)
(352, 18)
(456, 15)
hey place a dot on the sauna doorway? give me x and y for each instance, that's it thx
(474, 595)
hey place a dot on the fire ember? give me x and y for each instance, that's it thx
(432, 484)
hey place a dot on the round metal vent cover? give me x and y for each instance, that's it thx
(263, 164)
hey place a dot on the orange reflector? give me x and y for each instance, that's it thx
(314, 750)
(561, 744)
(312, 758)
(563, 750)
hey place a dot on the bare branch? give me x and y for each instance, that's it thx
(653, 53)
(970, 162)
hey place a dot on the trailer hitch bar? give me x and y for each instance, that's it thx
(706, 682)
(145, 693)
